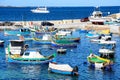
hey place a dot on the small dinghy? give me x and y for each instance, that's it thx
(63, 69)
(61, 50)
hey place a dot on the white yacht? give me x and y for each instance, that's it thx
(40, 10)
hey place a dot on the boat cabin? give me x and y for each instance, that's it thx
(32, 54)
(15, 46)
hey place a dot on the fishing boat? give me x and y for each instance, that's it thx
(29, 57)
(1, 43)
(16, 46)
(46, 39)
(40, 10)
(63, 69)
(64, 44)
(101, 38)
(21, 31)
(98, 62)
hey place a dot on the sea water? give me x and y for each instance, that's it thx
(74, 57)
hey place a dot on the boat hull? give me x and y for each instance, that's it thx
(63, 45)
(60, 72)
(10, 60)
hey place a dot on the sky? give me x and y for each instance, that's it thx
(59, 3)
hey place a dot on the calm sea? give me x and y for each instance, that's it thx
(56, 13)
(74, 56)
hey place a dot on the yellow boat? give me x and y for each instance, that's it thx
(99, 62)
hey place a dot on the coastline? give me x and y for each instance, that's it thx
(70, 23)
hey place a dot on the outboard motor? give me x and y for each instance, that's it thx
(26, 46)
(75, 71)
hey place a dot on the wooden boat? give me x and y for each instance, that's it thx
(63, 44)
(63, 37)
(29, 57)
(63, 69)
(46, 39)
(1, 43)
(22, 31)
(15, 46)
(99, 62)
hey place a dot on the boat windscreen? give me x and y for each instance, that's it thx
(17, 44)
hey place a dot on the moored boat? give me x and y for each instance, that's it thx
(108, 42)
(61, 50)
(46, 39)
(29, 57)
(64, 44)
(1, 43)
(21, 31)
(63, 69)
(99, 62)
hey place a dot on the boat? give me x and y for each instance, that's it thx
(29, 57)
(40, 10)
(101, 38)
(98, 62)
(106, 52)
(65, 36)
(92, 35)
(61, 38)
(63, 44)
(64, 69)
(15, 46)
(46, 39)
(61, 50)
(108, 42)
(1, 43)
(18, 32)
(97, 18)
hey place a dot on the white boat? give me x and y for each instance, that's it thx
(101, 38)
(106, 51)
(40, 10)
(97, 18)
(62, 69)
(61, 50)
(108, 42)
(15, 47)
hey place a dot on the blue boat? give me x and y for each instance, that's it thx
(63, 69)
(92, 35)
(21, 31)
(64, 44)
